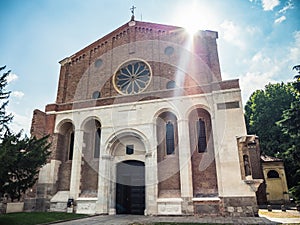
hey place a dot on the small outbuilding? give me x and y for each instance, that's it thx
(275, 178)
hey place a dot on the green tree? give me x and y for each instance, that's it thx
(290, 125)
(263, 109)
(21, 158)
(4, 95)
(4, 118)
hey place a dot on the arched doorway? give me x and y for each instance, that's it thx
(130, 187)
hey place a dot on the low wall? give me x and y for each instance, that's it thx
(12, 207)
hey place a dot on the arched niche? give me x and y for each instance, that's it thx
(167, 155)
(91, 154)
(202, 154)
(64, 153)
(273, 174)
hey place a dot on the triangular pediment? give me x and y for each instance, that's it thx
(125, 28)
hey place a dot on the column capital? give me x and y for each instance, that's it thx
(107, 157)
(149, 154)
(79, 130)
(182, 120)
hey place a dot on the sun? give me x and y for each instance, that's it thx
(190, 21)
(194, 17)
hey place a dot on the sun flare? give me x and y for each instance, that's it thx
(194, 17)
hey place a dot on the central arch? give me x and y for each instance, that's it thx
(130, 187)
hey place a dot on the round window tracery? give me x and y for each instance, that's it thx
(132, 77)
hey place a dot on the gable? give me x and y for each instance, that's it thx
(92, 71)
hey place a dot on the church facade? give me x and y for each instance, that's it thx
(144, 124)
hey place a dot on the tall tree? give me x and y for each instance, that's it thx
(290, 125)
(21, 159)
(4, 95)
(263, 109)
(4, 118)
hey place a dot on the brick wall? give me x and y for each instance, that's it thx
(203, 164)
(82, 74)
(42, 124)
(168, 165)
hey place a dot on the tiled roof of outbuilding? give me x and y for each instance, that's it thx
(266, 158)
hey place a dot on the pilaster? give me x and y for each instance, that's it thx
(186, 179)
(151, 180)
(103, 184)
(76, 165)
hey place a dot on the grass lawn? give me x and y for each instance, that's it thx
(33, 218)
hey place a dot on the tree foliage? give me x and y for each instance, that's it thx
(290, 125)
(20, 160)
(4, 95)
(274, 115)
(20, 157)
(263, 109)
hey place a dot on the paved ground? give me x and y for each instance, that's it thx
(129, 219)
(288, 217)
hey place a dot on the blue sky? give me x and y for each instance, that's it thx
(259, 40)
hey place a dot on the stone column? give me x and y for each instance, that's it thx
(151, 179)
(76, 165)
(112, 168)
(186, 179)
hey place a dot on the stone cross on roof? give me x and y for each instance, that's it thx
(132, 12)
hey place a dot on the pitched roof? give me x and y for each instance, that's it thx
(266, 158)
(154, 26)
(149, 26)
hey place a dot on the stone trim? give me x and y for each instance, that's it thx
(239, 206)
(163, 94)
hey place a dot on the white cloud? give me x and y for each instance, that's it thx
(269, 5)
(288, 6)
(17, 94)
(237, 35)
(253, 30)
(267, 66)
(253, 81)
(262, 69)
(20, 121)
(232, 33)
(255, 1)
(263, 63)
(280, 19)
(294, 50)
(11, 77)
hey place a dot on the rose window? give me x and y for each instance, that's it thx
(132, 77)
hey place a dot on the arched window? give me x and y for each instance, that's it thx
(201, 134)
(71, 146)
(273, 174)
(203, 165)
(97, 143)
(170, 142)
